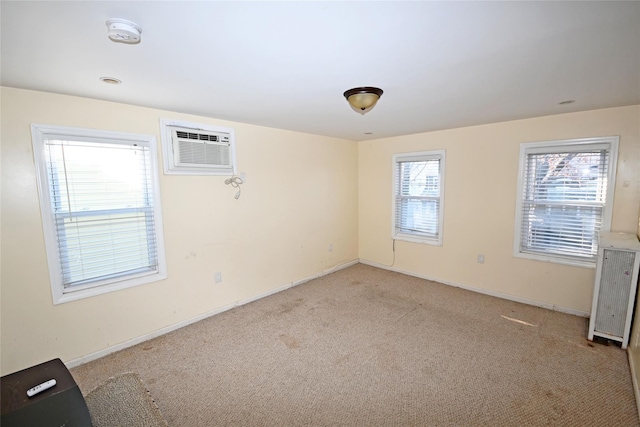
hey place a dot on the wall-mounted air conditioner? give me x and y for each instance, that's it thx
(614, 293)
(195, 149)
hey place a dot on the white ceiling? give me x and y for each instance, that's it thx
(286, 64)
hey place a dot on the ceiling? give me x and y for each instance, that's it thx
(286, 64)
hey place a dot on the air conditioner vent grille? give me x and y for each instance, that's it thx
(198, 136)
(201, 149)
(203, 154)
(198, 149)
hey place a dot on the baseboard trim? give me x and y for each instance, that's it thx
(633, 353)
(297, 282)
(509, 297)
(130, 343)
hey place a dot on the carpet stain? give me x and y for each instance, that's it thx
(289, 306)
(458, 362)
(289, 341)
(356, 282)
(342, 359)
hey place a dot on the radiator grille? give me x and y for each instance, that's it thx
(613, 295)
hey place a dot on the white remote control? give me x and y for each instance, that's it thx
(41, 387)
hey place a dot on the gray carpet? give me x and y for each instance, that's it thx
(123, 401)
(369, 347)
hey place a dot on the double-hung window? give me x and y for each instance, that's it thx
(565, 197)
(100, 208)
(418, 196)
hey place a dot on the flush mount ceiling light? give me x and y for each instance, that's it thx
(123, 31)
(111, 80)
(363, 99)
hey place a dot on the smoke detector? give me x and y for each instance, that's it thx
(123, 31)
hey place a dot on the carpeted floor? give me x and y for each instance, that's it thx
(123, 401)
(369, 347)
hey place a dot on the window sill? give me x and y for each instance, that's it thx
(556, 259)
(417, 239)
(74, 295)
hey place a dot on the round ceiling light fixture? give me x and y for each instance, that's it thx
(363, 99)
(111, 80)
(123, 31)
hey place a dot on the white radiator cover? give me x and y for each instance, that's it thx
(615, 286)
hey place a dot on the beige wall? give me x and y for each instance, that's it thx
(479, 210)
(303, 193)
(299, 198)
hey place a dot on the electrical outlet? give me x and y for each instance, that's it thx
(243, 177)
(331, 247)
(217, 277)
(480, 258)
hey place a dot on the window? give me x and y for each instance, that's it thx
(418, 189)
(100, 208)
(565, 196)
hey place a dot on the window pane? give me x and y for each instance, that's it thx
(420, 178)
(567, 176)
(417, 216)
(96, 246)
(417, 199)
(103, 209)
(564, 199)
(563, 230)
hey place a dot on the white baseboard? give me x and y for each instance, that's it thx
(632, 353)
(112, 349)
(130, 343)
(522, 300)
(104, 352)
(296, 283)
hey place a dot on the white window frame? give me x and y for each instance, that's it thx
(418, 156)
(577, 145)
(40, 133)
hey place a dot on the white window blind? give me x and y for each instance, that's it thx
(103, 209)
(418, 196)
(100, 209)
(564, 197)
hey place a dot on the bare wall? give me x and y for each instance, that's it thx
(299, 198)
(480, 202)
(303, 193)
